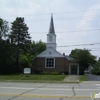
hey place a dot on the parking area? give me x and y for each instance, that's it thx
(92, 77)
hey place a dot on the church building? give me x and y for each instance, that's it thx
(50, 60)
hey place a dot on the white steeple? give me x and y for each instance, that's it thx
(51, 36)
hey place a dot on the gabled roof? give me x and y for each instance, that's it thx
(51, 29)
(50, 52)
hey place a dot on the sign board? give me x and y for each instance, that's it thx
(27, 70)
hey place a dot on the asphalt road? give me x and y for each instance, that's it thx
(47, 91)
(91, 77)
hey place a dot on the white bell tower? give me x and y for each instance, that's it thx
(51, 36)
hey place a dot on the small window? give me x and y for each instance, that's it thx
(50, 62)
(50, 38)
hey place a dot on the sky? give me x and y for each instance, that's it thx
(76, 22)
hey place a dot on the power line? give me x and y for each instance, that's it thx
(95, 50)
(86, 48)
(68, 19)
(79, 45)
(71, 50)
(65, 17)
(53, 13)
(60, 19)
(77, 11)
(67, 31)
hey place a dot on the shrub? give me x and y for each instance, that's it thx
(96, 71)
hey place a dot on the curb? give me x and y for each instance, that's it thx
(89, 82)
(62, 82)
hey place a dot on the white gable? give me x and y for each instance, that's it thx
(50, 52)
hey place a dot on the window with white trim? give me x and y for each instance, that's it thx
(50, 62)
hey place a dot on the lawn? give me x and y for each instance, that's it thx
(83, 78)
(32, 77)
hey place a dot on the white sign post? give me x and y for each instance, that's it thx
(27, 70)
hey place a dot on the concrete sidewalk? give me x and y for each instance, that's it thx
(72, 78)
(75, 78)
(91, 82)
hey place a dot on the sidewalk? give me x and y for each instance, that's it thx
(75, 78)
(72, 78)
(91, 82)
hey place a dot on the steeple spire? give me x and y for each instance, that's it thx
(51, 36)
(51, 29)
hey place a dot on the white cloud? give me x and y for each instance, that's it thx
(19, 7)
(87, 23)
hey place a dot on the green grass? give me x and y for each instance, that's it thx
(83, 78)
(32, 77)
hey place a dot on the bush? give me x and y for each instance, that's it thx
(96, 71)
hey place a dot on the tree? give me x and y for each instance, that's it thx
(7, 58)
(96, 68)
(20, 38)
(19, 34)
(25, 60)
(4, 28)
(84, 58)
(37, 47)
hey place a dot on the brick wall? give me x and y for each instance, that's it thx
(61, 65)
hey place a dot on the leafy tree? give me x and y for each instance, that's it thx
(20, 38)
(25, 60)
(37, 47)
(84, 58)
(96, 68)
(7, 60)
(4, 28)
(6, 51)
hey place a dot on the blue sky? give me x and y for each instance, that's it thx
(71, 18)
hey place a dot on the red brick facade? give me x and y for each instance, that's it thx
(61, 65)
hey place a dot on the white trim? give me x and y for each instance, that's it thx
(46, 60)
(77, 67)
